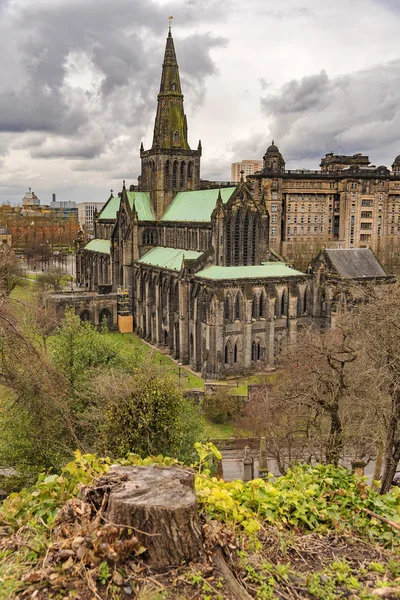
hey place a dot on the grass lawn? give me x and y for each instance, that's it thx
(131, 343)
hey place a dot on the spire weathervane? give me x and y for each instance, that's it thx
(169, 25)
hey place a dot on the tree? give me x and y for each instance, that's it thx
(79, 348)
(146, 414)
(37, 419)
(54, 279)
(323, 406)
(378, 324)
(221, 406)
(10, 270)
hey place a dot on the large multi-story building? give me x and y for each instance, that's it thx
(86, 215)
(244, 168)
(348, 203)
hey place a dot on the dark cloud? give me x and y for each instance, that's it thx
(359, 111)
(68, 149)
(122, 43)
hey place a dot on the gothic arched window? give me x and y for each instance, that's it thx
(283, 304)
(261, 306)
(236, 240)
(167, 182)
(235, 354)
(175, 176)
(237, 308)
(190, 175)
(226, 354)
(253, 239)
(228, 243)
(246, 238)
(227, 308)
(182, 176)
(253, 351)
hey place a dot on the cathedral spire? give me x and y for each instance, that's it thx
(170, 129)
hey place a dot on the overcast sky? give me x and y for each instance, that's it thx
(79, 81)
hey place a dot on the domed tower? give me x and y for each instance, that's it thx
(396, 164)
(273, 160)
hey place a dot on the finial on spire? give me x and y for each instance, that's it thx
(123, 184)
(169, 26)
(241, 175)
(273, 142)
(141, 146)
(111, 192)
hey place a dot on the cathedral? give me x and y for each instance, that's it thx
(187, 264)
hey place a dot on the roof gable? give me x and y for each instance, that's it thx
(110, 209)
(143, 206)
(354, 262)
(101, 246)
(141, 201)
(196, 206)
(168, 258)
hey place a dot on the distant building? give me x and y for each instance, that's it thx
(5, 236)
(249, 167)
(86, 213)
(30, 199)
(64, 209)
(348, 203)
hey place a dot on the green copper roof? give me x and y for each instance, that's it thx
(195, 206)
(142, 203)
(110, 209)
(168, 258)
(266, 270)
(102, 246)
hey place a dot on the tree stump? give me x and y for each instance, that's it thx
(160, 505)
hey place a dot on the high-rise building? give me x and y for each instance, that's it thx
(249, 167)
(86, 214)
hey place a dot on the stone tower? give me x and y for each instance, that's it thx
(170, 166)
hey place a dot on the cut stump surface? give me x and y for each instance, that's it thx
(160, 505)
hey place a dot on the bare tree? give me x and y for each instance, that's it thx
(378, 322)
(10, 270)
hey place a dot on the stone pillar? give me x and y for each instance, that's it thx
(247, 333)
(157, 292)
(358, 467)
(263, 461)
(248, 465)
(147, 309)
(183, 322)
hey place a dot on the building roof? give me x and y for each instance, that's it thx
(110, 209)
(142, 203)
(273, 148)
(168, 258)
(196, 206)
(354, 262)
(265, 270)
(397, 159)
(102, 246)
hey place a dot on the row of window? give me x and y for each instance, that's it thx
(231, 354)
(321, 219)
(309, 230)
(259, 308)
(303, 208)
